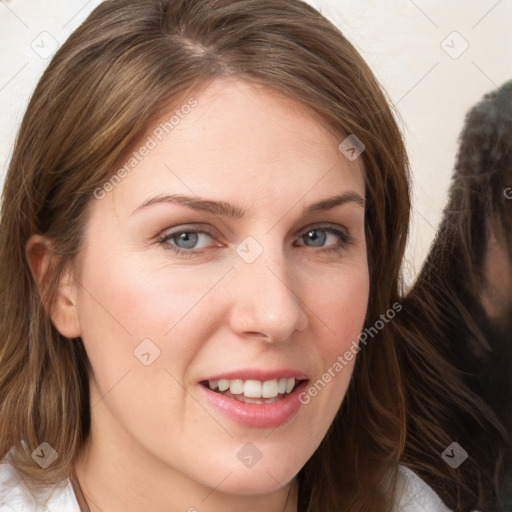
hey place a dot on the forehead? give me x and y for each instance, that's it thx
(238, 141)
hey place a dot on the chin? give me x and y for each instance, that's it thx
(257, 481)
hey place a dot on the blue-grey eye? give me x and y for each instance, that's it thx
(186, 240)
(316, 237)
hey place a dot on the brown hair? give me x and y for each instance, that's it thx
(104, 87)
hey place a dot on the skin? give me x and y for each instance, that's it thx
(156, 443)
(497, 293)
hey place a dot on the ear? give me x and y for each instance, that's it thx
(63, 309)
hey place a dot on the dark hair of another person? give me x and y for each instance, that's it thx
(443, 312)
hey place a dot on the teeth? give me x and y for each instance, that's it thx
(223, 384)
(236, 387)
(254, 388)
(269, 389)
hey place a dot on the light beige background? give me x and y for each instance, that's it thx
(416, 48)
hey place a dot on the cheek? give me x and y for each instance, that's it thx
(141, 300)
(129, 309)
(142, 328)
(340, 305)
(339, 308)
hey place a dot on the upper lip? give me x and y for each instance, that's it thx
(259, 374)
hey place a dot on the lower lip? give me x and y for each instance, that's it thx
(257, 415)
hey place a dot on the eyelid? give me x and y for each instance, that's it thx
(321, 225)
(188, 228)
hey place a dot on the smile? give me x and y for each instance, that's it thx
(255, 403)
(254, 391)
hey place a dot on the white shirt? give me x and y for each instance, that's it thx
(413, 494)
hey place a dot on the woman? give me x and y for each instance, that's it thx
(207, 203)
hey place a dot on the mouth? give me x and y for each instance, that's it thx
(252, 391)
(256, 399)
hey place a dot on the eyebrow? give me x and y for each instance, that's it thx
(228, 210)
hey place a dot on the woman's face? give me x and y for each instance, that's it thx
(233, 254)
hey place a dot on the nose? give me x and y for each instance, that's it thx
(264, 304)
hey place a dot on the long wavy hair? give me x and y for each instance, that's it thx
(116, 74)
(443, 314)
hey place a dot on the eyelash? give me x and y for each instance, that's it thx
(345, 240)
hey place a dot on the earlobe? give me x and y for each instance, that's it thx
(62, 307)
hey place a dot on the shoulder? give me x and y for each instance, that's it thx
(16, 496)
(415, 495)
